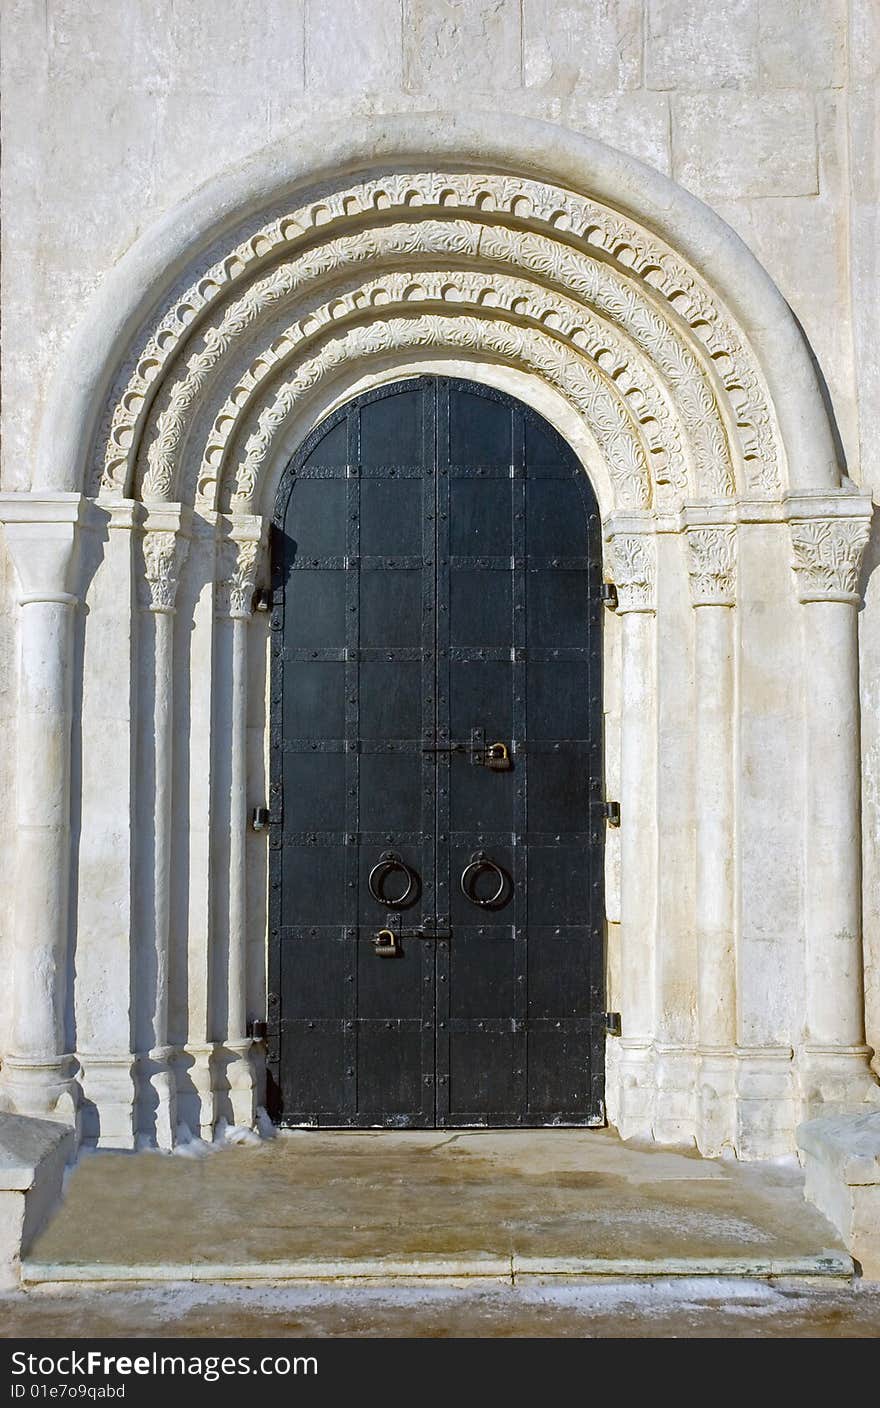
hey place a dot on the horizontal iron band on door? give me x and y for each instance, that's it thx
(354, 471)
(544, 839)
(529, 563)
(457, 653)
(345, 933)
(409, 471)
(406, 470)
(451, 1026)
(572, 747)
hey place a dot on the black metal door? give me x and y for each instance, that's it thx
(436, 901)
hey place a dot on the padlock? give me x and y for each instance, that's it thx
(386, 944)
(498, 757)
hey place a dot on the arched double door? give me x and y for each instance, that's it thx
(436, 876)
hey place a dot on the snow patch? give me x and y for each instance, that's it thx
(234, 1134)
(265, 1127)
(188, 1145)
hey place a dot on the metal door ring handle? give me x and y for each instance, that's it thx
(389, 863)
(480, 864)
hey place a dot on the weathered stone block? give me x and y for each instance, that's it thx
(589, 48)
(691, 45)
(352, 45)
(476, 43)
(841, 1158)
(637, 123)
(728, 145)
(802, 44)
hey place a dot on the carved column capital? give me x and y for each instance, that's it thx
(238, 562)
(165, 546)
(827, 557)
(634, 570)
(711, 561)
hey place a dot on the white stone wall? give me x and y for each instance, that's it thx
(767, 109)
(116, 109)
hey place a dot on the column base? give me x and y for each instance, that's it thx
(196, 1089)
(766, 1102)
(47, 1090)
(675, 1077)
(836, 1079)
(738, 1100)
(235, 1083)
(636, 1092)
(716, 1101)
(109, 1100)
(157, 1098)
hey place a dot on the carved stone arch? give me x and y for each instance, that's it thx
(100, 357)
(561, 276)
(648, 396)
(624, 450)
(632, 433)
(641, 263)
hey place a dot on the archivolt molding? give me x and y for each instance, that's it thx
(615, 301)
(626, 374)
(575, 226)
(578, 381)
(621, 302)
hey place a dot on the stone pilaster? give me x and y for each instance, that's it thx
(633, 562)
(711, 563)
(828, 538)
(42, 533)
(238, 563)
(165, 544)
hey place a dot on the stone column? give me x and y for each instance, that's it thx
(42, 534)
(711, 554)
(633, 560)
(234, 594)
(107, 840)
(827, 559)
(164, 549)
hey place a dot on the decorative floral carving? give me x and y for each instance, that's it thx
(597, 285)
(625, 371)
(712, 565)
(367, 247)
(164, 556)
(828, 557)
(580, 383)
(234, 590)
(634, 568)
(632, 256)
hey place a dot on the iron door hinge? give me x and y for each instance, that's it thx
(611, 813)
(609, 595)
(612, 1023)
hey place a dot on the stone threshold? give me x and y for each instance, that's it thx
(822, 1267)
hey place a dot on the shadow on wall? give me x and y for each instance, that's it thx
(93, 547)
(839, 451)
